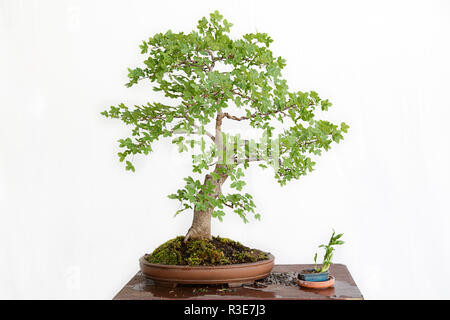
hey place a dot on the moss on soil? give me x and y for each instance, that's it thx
(217, 251)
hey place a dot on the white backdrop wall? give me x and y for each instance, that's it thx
(67, 206)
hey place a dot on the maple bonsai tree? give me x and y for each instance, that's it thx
(210, 79)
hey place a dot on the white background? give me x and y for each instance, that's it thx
(74, 222)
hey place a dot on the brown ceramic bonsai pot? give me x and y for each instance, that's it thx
(233, 274)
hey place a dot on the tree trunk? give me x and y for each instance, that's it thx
(201, 224)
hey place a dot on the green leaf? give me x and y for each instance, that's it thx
(344, 127)
(129, 166)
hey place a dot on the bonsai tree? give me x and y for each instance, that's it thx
(209, 79)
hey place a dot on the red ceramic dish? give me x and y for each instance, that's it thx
(317, 284)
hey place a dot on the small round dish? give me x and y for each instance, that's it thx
(317, 284)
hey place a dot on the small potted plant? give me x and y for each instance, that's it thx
(319, 276)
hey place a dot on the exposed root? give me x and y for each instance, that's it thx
(196, 235)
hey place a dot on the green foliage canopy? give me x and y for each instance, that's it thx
(207, 74)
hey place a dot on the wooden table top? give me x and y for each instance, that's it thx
(140, 288)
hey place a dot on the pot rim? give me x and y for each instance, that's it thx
(224, 266)
(301, 271)
(317, 284)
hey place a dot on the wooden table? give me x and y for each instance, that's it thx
(140, 288)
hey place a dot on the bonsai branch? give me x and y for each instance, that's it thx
(244, 96)
(203, 131)
(256, 114)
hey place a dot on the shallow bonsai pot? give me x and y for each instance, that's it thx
(310, 275)
(232, 274)
(317, 284)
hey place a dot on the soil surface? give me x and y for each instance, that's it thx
(309, 271)
(217, 251)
